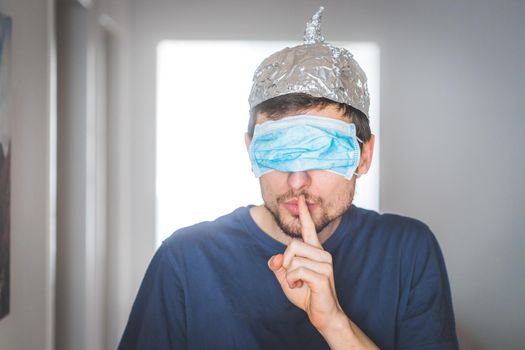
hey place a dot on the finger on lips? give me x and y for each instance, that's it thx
(307, 224)
(303, 261)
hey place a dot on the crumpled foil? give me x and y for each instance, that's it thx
(315, 68)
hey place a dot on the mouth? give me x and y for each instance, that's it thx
(292, 205)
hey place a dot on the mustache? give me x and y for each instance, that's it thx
(310, 198)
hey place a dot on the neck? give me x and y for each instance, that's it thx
(266, 222)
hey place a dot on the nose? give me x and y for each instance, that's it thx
(299, 180)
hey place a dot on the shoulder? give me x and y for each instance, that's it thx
(406, 242)
(223, 228)
(389, 223)
(392, 231)
(200, 249)
(409, 240)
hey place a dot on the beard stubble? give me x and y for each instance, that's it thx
(292, 226)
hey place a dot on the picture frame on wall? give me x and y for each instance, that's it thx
(5, 163)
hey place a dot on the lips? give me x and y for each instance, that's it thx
(292, 205)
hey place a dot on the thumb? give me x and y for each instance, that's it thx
(276, 265)
(276, 262)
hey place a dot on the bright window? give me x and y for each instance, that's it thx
(203, 170)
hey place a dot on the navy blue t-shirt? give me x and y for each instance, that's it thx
(209, 287)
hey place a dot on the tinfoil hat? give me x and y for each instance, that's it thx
(315, 68)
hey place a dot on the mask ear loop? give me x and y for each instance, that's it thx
(358, 175)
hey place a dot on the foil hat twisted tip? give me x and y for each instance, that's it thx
(316, 68)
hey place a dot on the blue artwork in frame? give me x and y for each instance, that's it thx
(5, 162)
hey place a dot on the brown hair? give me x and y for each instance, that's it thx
(280, 106)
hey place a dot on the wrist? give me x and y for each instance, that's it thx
(338, 330)
(341, 333)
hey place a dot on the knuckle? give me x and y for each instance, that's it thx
(288, 254)
(327, 270)
(293, 245)
(301, 270)
(314, 245)
(326, 282)
(294, 263)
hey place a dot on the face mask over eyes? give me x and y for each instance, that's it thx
(305, 142)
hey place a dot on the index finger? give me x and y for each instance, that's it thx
(307, 224)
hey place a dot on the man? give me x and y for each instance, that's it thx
(306, 270)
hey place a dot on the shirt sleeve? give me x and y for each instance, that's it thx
(157, 319)
(426, 318)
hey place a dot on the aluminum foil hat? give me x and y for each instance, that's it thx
(315, 68)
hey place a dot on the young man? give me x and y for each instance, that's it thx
(306, 270)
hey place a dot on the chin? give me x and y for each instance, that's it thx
(290, 226)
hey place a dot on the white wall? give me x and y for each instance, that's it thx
(93, 163)
(30, 322)
(452, 87)
(453, 127)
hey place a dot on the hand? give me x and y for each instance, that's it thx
(305, 273)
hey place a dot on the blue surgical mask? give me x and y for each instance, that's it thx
(305, 142)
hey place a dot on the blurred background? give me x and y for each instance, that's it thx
(86, 124)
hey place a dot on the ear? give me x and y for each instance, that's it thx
(367, 153)
(247, 140)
